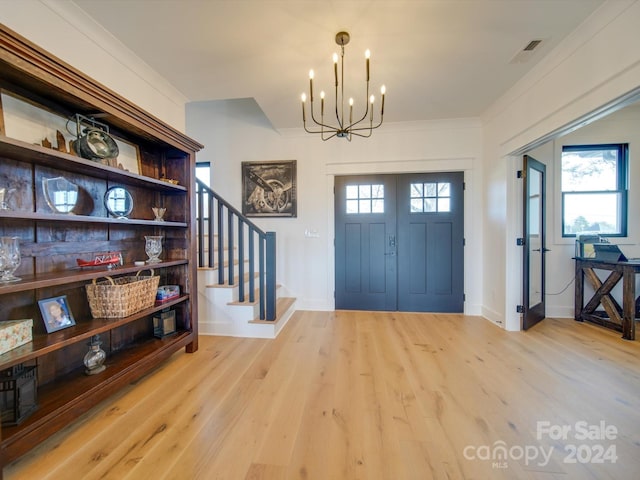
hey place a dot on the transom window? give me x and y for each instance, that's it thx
(594, 189)
(365, 198)
(430, 197)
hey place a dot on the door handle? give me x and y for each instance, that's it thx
(544, 250)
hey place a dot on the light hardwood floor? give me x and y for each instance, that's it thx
(364, 395)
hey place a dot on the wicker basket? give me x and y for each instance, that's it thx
(122, 296)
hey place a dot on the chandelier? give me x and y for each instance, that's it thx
(362, 126)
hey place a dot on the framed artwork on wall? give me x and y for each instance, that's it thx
(269, 189)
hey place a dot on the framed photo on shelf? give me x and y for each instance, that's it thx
(269, 189)
(56, 313)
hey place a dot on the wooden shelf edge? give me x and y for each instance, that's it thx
(47, 343)
(52, 217)
(64, 401)
(31, 282)
(26, 152)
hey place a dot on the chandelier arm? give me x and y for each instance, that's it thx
(329, 137)
(360, 134)
(318, 131)
(366, 112)
(367, 128)
(320, 124)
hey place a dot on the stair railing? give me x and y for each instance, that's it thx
(227, 230)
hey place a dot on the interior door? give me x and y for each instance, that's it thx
(399, 242)
(534, 242)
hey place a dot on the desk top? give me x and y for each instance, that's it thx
(598, 263)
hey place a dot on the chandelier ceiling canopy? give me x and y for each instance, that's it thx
(345, 127)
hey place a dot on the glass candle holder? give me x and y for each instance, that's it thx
(5, 195)
(159, 213)
(9, 258)
(153, 247)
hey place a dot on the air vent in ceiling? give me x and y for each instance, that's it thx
(526, 53)
(532, 44)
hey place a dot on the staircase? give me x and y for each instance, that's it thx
(237, 290)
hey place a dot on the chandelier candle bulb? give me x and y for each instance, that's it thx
(367, 54)
(303, 97)
(311, 85)
(335, 67)
(322, 103)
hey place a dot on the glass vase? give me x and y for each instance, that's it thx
(9, 258)
(153, 247)
(5, 195)
(95, 357)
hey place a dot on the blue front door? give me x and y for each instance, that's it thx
(400, 242)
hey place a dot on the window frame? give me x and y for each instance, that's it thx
(622, 185)
(203, 165)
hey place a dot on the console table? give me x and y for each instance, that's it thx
(621, 318)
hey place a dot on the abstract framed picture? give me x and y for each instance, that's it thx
(56, 313)
(269, 189)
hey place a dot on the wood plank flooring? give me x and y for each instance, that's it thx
(368, 395)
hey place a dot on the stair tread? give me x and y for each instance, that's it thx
(282, 306)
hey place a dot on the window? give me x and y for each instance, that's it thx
(203, 173)
(365, 198)
(594, 189)
(430, 197)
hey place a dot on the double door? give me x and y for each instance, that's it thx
(399, 242)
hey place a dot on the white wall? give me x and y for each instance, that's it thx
(68, 33)
(597, 63)
(236, 131)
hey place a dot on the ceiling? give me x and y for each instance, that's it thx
(437, 58)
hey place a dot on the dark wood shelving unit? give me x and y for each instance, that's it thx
(62, 401)
(51, 242)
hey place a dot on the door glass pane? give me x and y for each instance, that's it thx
(429, 205)
(430, 197)
(368, 198)
(535, 238)
(352, 206)
(352, 191)
(377, 191)
(444, 204)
